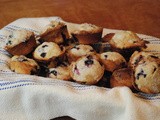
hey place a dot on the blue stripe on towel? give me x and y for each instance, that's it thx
(14, 82)
(15, 86)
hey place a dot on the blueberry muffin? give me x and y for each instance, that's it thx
(122, 77)
(20, 42)
(147, 77)
(125, 42)
(60, 72)
(86, 70)
(23, 65)
(47, 51)
(54, 32)
(112, 61)
(140, 57)
(87, 33)
(78, 51)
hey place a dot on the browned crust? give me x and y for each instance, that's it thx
(131, 59)
(111, 65)
(88, 38)
(23, 48)
(108, 37)
(71, 58)
(122, 77)
(20, 67)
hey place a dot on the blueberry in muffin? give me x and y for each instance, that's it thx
(47, 51)
(86, 70)
(147, 77)
(60, 72)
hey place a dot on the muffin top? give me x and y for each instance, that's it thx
(24, 59)
(59, 73)
(126, 39)
(87, 70)
(112, 60)
(81, 50)
(87, 28)
(47, 51)
(113, 56)
(147, 77)
(140, 57)
(18, 37)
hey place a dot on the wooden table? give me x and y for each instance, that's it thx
(141, 16)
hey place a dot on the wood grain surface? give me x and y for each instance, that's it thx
(141, 16)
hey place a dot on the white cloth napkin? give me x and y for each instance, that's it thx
(25, 97)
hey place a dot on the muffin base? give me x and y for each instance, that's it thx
(88, 38)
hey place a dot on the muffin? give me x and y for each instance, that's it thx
(20, 42)
(78, 51)
(54, 32)
(122, 77)
(87, 33)
(23, 65)
(60, 72)
(86, 70)
(125, 42)
(140, 57)
(147, 77)
(47, 52)
(112, 61)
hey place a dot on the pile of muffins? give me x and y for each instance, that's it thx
(85, 57)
